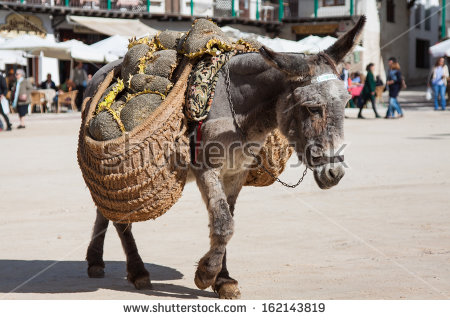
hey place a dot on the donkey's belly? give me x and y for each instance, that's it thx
(190, 176)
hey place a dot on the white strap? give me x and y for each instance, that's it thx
(324, 77)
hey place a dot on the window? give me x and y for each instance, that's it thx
(292, 8)
(331, 3)
(422, 55)
(390, 11)
(428, 19)
(418, 16)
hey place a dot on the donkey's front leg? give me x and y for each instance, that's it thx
(225, 286)
(137, 274)
(221, 227)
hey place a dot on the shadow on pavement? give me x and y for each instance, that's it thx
(49, 276)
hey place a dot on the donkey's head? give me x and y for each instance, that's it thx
(310, 113)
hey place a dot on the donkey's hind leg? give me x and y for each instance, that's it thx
(137, 274)
(94, 255)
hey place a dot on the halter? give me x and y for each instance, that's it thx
(322, 78)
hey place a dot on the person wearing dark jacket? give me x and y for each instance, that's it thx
(48, 84)
(368, 92)
(3, 92)
(394, 82)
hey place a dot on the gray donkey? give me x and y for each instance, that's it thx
(256, 93)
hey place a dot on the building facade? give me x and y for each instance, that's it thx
(51, 19)
(334, 18)
(402, 28)
(413, 25)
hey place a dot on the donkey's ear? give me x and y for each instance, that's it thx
(347, 42)
(291, 64)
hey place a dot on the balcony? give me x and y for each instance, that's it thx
(251, 10)
(304, 10)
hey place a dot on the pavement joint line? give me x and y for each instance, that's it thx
(47, 267)
(37, 274)
(357, 237)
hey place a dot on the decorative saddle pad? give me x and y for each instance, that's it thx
(202, 84)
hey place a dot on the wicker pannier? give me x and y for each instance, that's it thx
(141, 174)
(273, 156)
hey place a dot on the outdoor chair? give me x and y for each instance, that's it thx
(37, 99)
(67, 98)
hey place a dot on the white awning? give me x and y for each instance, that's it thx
(68, 50)
(115, 45)
(440, 49)
(113, 26)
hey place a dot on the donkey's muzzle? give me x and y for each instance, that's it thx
(328, 175)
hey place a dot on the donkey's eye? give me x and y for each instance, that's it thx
(315, 110)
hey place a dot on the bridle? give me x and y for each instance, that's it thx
(318, 79)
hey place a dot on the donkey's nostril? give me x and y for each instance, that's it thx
(336, 173)
(332, 173)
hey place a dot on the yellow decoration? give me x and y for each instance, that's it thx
(109, 100)
(131, 96)
(214, 47)
(134, 42)
(248, 46)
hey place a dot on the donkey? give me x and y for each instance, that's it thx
(255, 94)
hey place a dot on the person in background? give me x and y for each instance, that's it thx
(438, 81)
(345, 75)
(356, 78)
(3, 92)
(368, 92)
(67, 86)
(80, 78)
(21, 96)
(32, 82)
(89, 77)
(394, 83)
(48, 84)
(11, 80)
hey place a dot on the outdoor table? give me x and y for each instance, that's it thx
(50, 94)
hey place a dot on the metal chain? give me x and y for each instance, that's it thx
(242, 133)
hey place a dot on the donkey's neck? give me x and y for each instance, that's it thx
(254, 88)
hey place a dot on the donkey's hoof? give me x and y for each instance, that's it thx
(96, 272)
(142, 282)
(203, 280)
(226, 288)
(208, 268)
(229, 290)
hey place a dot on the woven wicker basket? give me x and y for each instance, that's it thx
(274, 155)
(141, 174)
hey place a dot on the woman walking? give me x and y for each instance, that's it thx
(394, 83)
(21, 96)
(438, 81)
(3, 93)
(368, 91)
